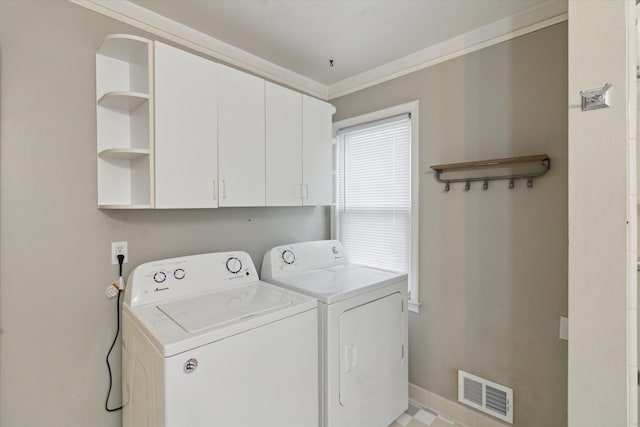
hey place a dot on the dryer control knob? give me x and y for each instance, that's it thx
(159, 277)
(234, 265)
(288, 256)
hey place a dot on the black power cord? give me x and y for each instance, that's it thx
(113, 344)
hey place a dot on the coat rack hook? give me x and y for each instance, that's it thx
(447, 187)
(512, 183)
(467, 186)
(529, 182)
(485, 185)
(593, 99)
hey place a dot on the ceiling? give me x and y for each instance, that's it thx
(359, 35)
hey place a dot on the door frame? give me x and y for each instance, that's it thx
(602, 362)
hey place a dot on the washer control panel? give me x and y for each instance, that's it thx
(180, 277)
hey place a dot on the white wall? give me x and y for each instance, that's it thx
(55, 244)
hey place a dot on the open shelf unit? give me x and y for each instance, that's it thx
(124, 94)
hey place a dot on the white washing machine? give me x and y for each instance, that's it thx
(205, 343)
(362, 331)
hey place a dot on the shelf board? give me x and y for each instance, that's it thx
(123, 153)
(124, 47)
(145, 206)
(493, 162)
(125, 100)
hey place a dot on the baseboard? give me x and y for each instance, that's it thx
(451, 410)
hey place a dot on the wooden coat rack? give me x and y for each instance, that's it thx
(541, 159)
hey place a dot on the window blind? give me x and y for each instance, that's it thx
(374, 193)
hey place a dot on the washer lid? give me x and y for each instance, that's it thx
(340, 282)
(219, 308)
(183, 324)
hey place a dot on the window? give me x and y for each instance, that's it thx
(375, 216)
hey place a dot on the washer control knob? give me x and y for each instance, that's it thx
(179, 273)
(288, 256)
(234, 265)
(334, 250)
(159, 277)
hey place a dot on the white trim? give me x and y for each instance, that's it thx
(414, 306)
(544, 15)
(411, 108)
(176, 32)
(602, 349)
(632, 203)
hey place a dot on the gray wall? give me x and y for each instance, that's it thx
(493, 264)
(55, 244)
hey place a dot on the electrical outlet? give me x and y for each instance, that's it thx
(119, 248)
(564, 328)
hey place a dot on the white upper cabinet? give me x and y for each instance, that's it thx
(241, 138)
(124, 122)
(299, 149)
(283, 146)
(186, 137)
(317, 149)
(175, 130)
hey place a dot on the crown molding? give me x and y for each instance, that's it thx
(168, 29)
(544, 15)
(541, 16)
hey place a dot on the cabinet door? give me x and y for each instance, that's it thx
(186, 129)
(283, 146)
(241, 138)
(317, 163)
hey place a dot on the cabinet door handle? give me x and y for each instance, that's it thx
(214, 190)
(305, 191)
(224, 190)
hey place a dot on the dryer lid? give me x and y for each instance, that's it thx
(337, 283)
(219, 308)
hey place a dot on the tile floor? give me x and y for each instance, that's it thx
(421, 417)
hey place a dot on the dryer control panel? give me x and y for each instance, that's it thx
(182, 277)
(297, 258)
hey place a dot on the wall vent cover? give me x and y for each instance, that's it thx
(486, 396)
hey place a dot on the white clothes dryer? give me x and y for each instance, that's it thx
(362, 331)
(205, 343)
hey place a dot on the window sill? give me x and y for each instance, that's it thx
(414, 306)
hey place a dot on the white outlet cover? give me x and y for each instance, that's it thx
(114, 252)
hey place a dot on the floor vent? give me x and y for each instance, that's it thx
(486, 396)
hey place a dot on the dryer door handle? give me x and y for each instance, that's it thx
(350, 357)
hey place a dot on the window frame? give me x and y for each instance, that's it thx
(407, 108)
